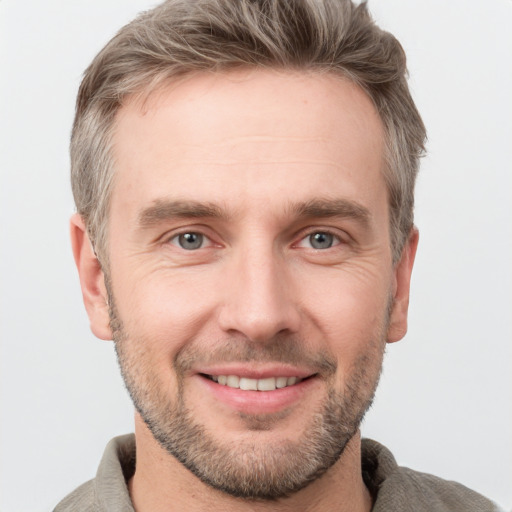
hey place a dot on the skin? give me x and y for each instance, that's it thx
(253, 149)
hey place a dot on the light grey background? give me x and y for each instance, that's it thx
(445, 401)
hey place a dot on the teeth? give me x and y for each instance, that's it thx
(268, 384)
(233, 381)
(248, 384)
(281, 382)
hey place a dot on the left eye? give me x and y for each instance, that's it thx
(189, 241)
(319, 240)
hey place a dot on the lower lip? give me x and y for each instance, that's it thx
(259, 402)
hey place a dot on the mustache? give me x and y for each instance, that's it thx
(280, 349)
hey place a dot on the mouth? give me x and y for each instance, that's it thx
(248, 384)
(258, 391)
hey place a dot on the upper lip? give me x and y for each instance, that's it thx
(257, 371)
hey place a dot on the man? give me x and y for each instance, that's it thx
(244, 175)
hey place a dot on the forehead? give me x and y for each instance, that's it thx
(246, 135)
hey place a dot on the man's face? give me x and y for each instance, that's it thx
(249, 248)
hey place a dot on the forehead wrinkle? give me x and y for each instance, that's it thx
(244, 162)
(269, 139)
(164, 209)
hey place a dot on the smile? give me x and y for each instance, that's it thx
(247, 384)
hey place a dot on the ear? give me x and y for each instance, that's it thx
(402, 280)
(92, 279)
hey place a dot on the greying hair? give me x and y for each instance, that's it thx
(180, 37)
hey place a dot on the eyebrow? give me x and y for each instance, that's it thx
(162, 210)
(325, 208)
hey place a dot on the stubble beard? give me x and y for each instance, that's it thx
(251, 469)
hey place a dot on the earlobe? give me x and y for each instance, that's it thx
(92, 279)
(402, 274)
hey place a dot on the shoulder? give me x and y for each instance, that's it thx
(398, 488)
(108, 491)
(82, 498)
(433, 493)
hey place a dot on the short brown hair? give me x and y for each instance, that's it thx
(180, 37)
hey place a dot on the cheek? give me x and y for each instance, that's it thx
(349, 310)
(166, 307)
(346, 296)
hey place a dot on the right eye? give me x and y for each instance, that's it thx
(190, 241)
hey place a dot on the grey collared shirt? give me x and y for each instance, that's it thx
(394, 488)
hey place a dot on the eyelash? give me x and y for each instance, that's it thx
(336, 239)
(174, 239)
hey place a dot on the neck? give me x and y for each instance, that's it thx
(161, 483)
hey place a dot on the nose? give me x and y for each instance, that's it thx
(259, 300)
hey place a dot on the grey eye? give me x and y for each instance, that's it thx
(190, 241)
(321, 240)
